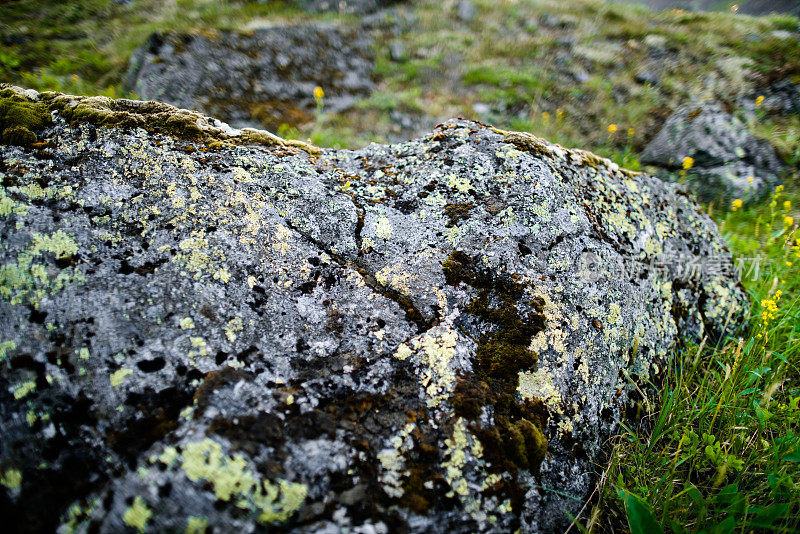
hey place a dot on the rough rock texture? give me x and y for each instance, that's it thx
(264, 77)
(729, 162)
(434, 336)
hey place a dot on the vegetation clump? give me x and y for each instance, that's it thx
(21, 118)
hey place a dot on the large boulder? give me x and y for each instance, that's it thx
(203, 326)
(728, 161)
(265, 77)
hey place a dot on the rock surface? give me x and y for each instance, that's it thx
(210, 327)
(265, 77)
(728, 162)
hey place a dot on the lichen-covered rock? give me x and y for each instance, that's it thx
(727, 161)
(261, 77)
(205, 327)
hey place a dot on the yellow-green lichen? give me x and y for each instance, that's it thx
(137, 515)
(77, 517)
(26, 280)
(119, 375)
(24, 389)
(232, 327)
(199, 347)
(9, 205)
(6, 346)
(383, 228)
(539, 385)
(232, 480)
(222, 275)
(187, 323)
(435, 350)
(196, 525)
(460, 183)
(11, 478)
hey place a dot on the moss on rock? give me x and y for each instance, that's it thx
(20, 118)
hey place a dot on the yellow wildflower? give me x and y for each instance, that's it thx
(559, 113)
(736, 204)
(759, 100)
(612, 128)
(787, 205)
(788, 221)
(687, 163)
(769, 307)
(318, 93)
(631, 131)
(750, 179)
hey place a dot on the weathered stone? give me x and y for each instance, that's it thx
(727, 160)
(397, 51)
(646, 77)
(261, 78)
(434, 336)
(465, 10)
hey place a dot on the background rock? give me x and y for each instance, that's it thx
(728, 161)
(265, 77)
(434, 336)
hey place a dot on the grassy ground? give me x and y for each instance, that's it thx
(719, 449)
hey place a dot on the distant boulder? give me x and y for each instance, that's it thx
(728, 162)
(264, 77)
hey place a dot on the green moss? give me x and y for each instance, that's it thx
(19, 136)
(529, 443)
(456, 212)
(20, 118)
(516, 441)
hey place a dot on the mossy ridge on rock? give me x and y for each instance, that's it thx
(33, 112)
(20, 118)
(516, 441)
